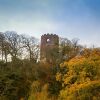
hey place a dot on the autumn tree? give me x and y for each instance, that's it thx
(82, 77)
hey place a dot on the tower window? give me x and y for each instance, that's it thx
(48, 40)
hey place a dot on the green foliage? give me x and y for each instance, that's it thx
(13, 85)
(2, 64)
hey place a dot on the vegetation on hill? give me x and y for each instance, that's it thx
(74, 76)
(82, 78)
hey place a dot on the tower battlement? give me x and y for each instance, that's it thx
(48, 34)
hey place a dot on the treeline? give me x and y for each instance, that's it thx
(74, 73)
(13, 45)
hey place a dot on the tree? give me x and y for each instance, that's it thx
(2, 39)
(14, 45)
(69, 49)
(31, 45)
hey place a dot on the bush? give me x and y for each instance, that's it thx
(13, 86)
(82, 79)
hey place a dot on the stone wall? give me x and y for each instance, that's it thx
(49, 47)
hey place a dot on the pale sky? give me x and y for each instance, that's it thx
(66, 18)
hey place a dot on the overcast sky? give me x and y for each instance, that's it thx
(66, 18)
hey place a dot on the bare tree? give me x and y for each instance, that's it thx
(68, 48)
(31, 45)
(13, 43)
(2, 38)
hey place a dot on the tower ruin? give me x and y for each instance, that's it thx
(49, 47)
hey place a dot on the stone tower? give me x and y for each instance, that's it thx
(49, 47)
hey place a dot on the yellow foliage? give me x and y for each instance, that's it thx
(83, 76)
(40, 95)
(82, 91)
(58, 76)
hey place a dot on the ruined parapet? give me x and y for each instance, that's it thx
(49, 47)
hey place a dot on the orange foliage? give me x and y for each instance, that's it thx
(82, 77)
